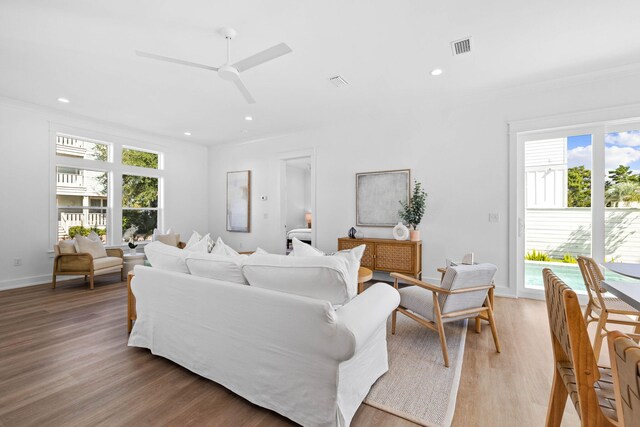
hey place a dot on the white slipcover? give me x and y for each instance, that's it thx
(288, 353)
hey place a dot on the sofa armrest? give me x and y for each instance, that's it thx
(115, 252)
(78, 262)
(364, 314)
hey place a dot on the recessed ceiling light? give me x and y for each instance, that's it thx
(436, 71)
(63, 100)
(187, 133)
(248, 118)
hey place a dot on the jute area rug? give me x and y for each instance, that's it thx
(418, 387)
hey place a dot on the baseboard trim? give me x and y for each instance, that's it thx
(24, 282)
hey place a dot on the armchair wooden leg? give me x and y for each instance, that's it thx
(91, 282)
(494, 331)
(478, 325)
(557, 401)
(440, 326)
(53, 281)
(393, 321)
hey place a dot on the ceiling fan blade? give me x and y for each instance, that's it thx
(262, 57)
(175, 60)
(245, 91)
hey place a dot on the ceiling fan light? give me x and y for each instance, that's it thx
(436, 71)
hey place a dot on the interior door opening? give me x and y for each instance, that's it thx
(297, 212)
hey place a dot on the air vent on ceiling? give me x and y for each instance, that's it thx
(338, 81)
(461, 46)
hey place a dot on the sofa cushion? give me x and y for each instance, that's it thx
(106, 262)
(321, 277)
(67, 246)
(86, 245)
(304, 249)
(166, 257)
(219, 267)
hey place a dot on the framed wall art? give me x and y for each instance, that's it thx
(378, 195)
(239, 201)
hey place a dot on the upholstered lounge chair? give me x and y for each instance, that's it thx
(73, 263)
(464, 292)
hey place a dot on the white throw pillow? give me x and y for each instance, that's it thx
(94, 236)
(85, 245)
(221, 249)
(304, 249)
(201, 245)
(67, 246)
(321, 277)
(261, 251)
(195, 238)
(166, 257)
(219, 267)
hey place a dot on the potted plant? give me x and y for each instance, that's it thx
(413, 211)
(132, 247)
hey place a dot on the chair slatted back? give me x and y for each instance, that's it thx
(627, 361)
(593, 278)
(554, 290)
(466, 276)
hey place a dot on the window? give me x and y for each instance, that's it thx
(86, 176)
(139, 207)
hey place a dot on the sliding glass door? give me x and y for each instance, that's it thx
(578, 194)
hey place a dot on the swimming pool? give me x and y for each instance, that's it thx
(569, 273)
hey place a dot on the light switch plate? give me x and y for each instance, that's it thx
(494, 217)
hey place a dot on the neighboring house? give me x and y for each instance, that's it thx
(546, 173)
(81, 195)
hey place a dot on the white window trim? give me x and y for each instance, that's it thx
(114, 168)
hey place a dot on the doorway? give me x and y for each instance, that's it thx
(297, 201)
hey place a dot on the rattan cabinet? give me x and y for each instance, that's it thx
(400, 256)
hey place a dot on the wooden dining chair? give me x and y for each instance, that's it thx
(624, 355)
(601, 306)
(576, 373)
(464, 292)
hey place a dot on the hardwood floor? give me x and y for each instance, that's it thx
(64, 361)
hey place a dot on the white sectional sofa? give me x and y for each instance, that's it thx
(308, 358)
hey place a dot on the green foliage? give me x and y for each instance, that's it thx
(139, 191)
(413, 211)
(569, 259)
(143, 221)
(579, 186)
(84, 231)
(622, 174)
(621, 193)
(537, 256)
(139, 158)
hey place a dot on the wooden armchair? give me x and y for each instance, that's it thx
(83, 264)
(624, 354)
(576, 373)
(600, 305)
(465, 291)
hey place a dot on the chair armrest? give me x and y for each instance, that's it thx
(425, 285)
(364, 314)
(73, 262)
(115, 252)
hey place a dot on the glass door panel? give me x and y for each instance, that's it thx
(557, 207)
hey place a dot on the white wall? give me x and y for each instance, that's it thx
(459, 151)
(26, 177)
(297, 193)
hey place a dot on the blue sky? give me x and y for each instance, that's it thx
(620, 149)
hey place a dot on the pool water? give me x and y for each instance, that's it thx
(569, 273)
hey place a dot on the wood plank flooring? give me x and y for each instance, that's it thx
(64, 362)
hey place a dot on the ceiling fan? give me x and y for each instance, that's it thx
(229, 71)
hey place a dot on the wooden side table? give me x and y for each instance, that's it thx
(482, 316)
(364, 275)
(131, 303)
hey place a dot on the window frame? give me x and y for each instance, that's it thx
(114, 168)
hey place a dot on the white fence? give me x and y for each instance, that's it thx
(568, 231)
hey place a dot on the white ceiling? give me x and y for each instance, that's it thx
(84, 51)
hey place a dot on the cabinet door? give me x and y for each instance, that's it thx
(398, 257)
(367, 257)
